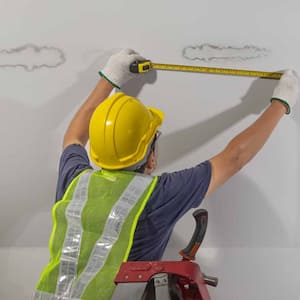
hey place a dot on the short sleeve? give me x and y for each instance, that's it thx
(179, 191)
(174, 194)
(73, 160)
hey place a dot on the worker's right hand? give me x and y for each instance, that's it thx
(116, 71)
(287, 90)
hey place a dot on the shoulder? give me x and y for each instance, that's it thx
(181, 190)
(74, 159)
(191, 176)
(74, 151)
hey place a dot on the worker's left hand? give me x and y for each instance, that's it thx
(116, 71)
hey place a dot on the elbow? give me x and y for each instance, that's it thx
(238, 156)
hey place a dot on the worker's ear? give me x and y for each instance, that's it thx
(151, 163)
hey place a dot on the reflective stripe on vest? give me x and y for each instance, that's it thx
(91, 277)
(71, 247)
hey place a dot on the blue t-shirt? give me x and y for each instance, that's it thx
(174, 194)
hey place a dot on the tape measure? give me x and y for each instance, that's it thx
(147, 65)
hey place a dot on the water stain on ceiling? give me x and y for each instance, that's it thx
(31, 57)
(209, 52)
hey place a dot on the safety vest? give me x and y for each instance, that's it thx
(93, 229)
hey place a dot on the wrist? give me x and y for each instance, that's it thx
(108, 80)
(106, 84)
(102, 89)
(281, 105)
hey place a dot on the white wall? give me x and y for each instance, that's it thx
(49, 57)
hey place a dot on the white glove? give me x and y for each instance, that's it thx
(116, 71)
(287, 90)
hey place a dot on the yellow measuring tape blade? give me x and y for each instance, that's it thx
(222, 71)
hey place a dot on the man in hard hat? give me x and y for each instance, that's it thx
(120, 212)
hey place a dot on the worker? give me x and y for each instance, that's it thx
(120, 211)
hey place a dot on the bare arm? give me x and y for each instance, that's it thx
(242, 148)
(78, 130)
(115, 73)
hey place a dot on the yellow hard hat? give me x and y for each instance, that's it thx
(121, 130)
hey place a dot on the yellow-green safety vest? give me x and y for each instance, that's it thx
(93, 229)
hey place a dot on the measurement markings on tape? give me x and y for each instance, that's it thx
(147, 65)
